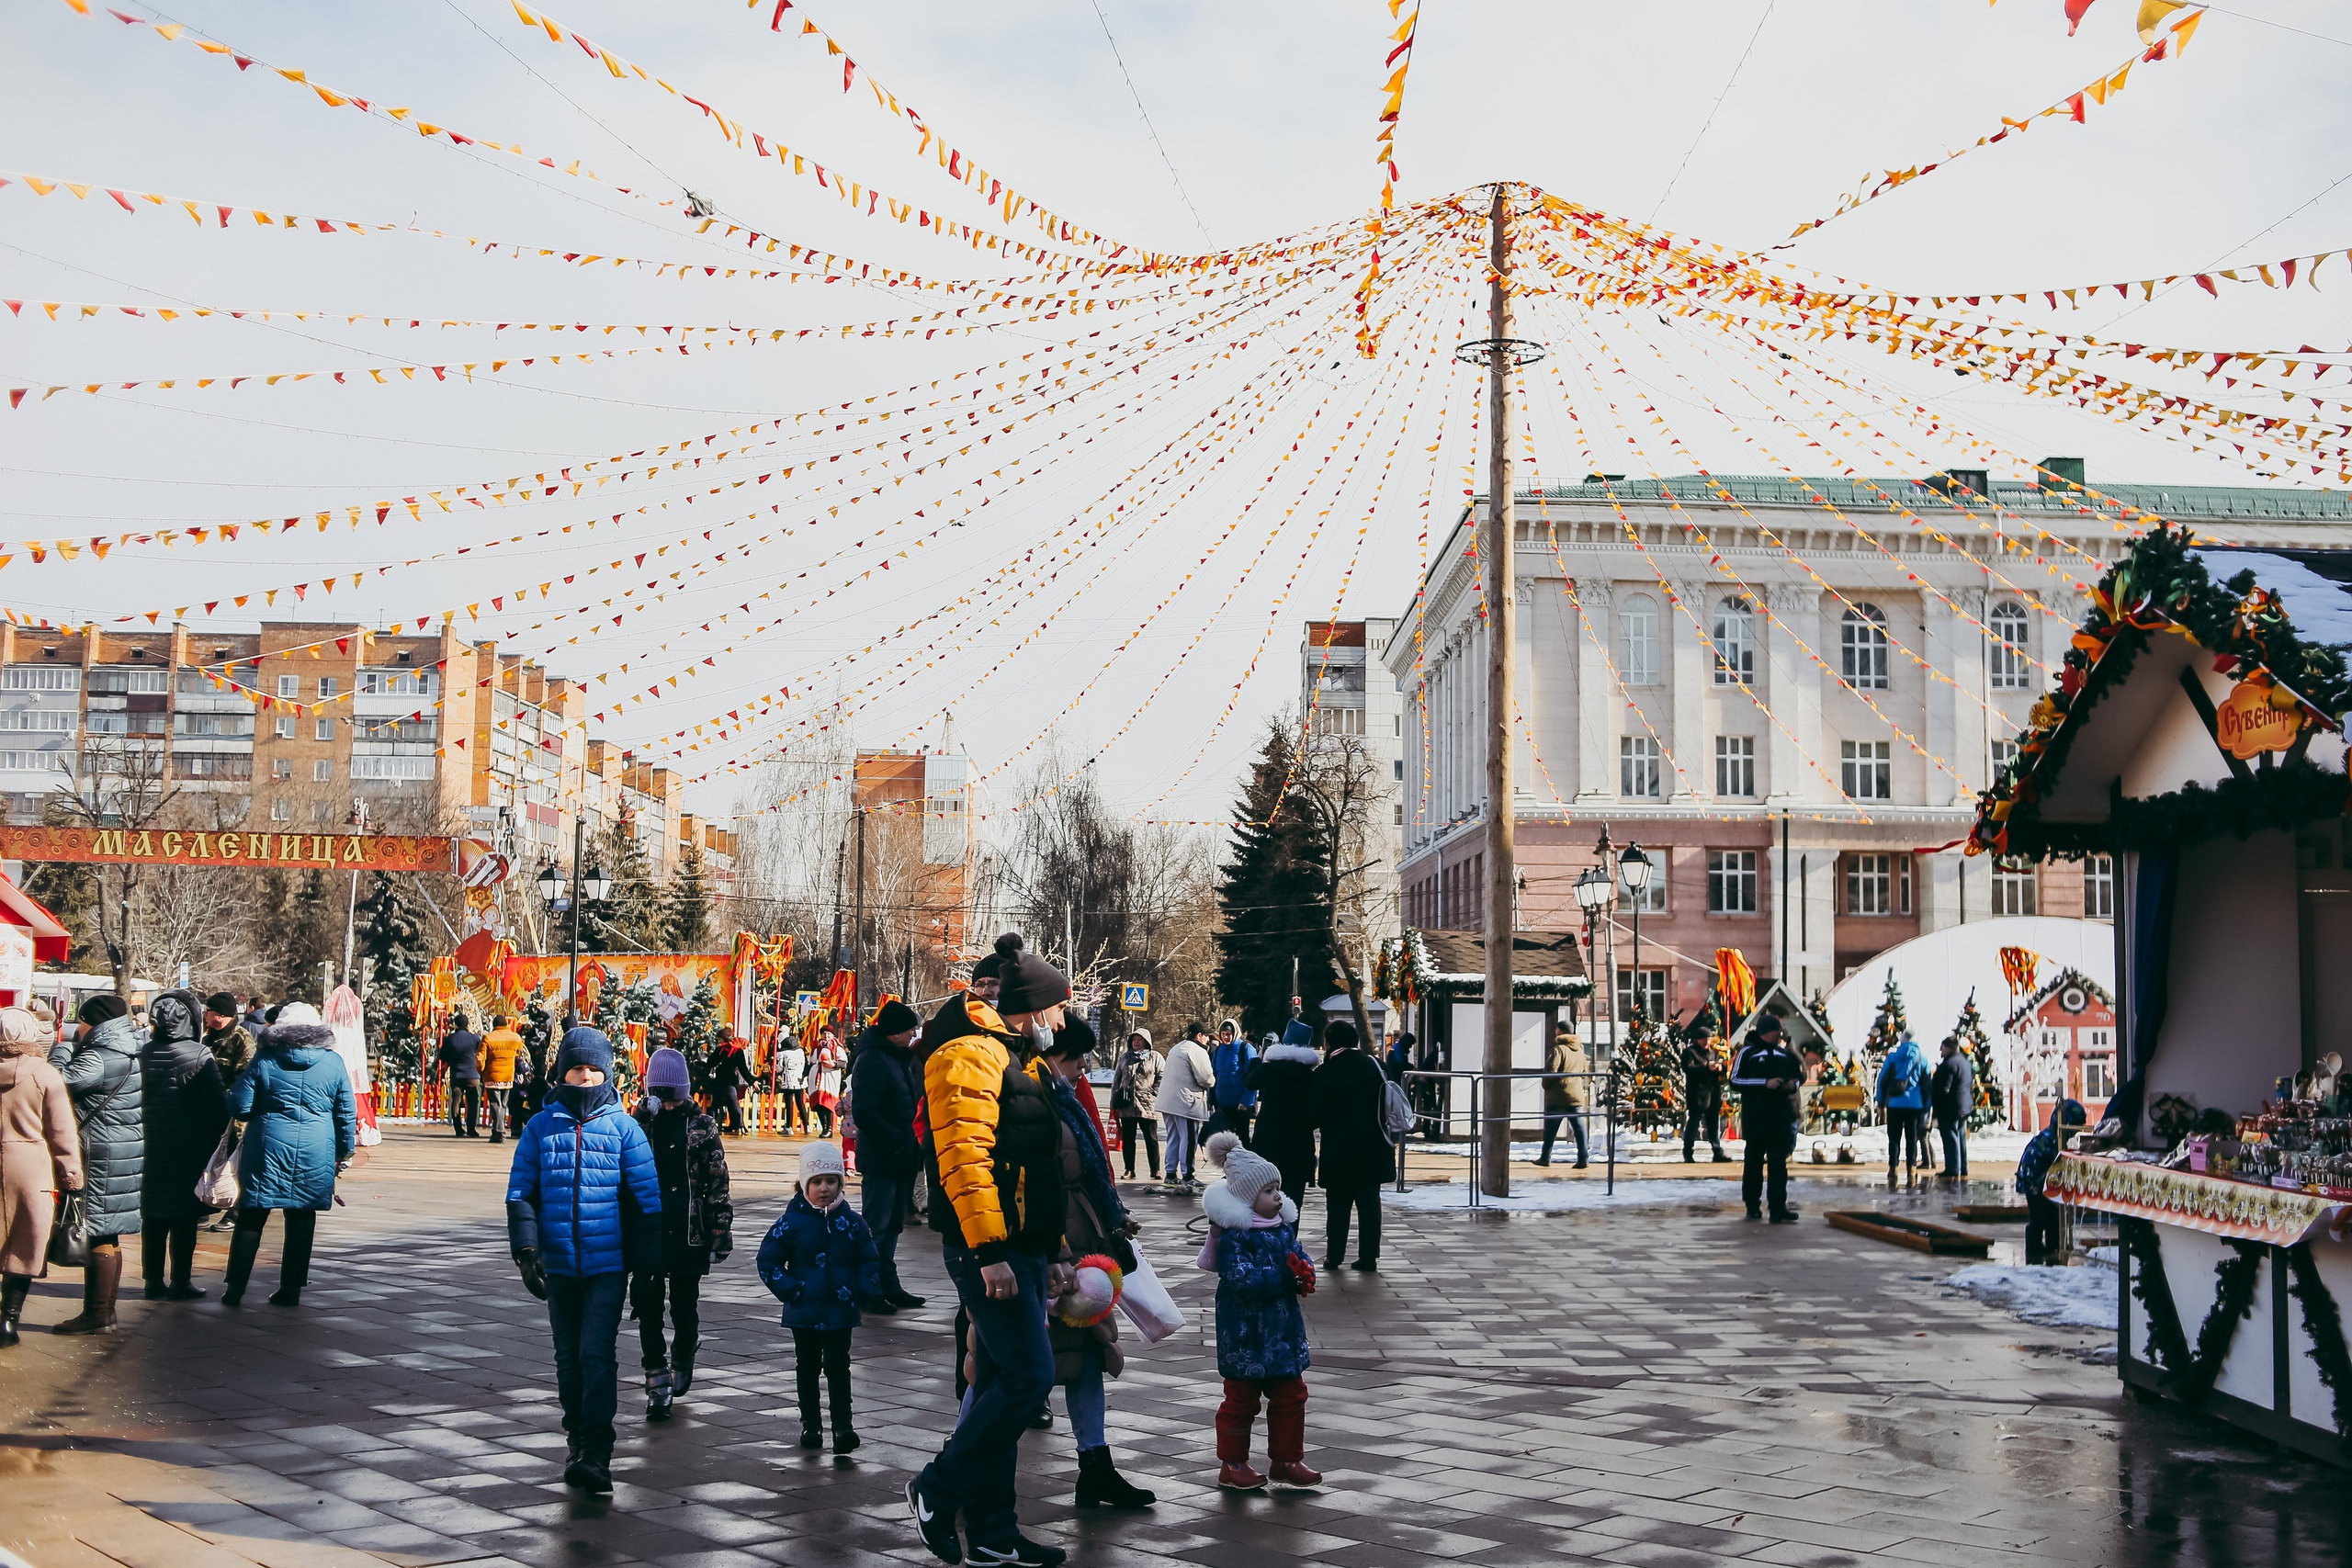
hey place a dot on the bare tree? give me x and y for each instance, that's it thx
(126, 785)
(1337, 784)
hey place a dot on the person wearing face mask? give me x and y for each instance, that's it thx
(583, 1205)
(882, 1088)
(697, 1227)
(999, 1203)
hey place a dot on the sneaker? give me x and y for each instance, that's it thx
(1021, 1553)
(936, 1527)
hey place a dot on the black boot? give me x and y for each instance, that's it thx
(846, 1438)
(12, 1306)
(244, 1246)
(682, 1371)
(1100, 1484)
(658, 1393)
(594, 1470)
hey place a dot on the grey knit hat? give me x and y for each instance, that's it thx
(1246, 1174)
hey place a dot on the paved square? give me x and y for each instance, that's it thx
(1665, 1385)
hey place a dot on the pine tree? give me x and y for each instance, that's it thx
(698, 1028)
(1979, 1046)
(1648, 1070)
(1887, 1028)
(392, 939)
(1271, 893)
(685, 914)
(631, 916)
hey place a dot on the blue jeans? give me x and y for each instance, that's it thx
(1955, 1149)
(885, 1200)
(1088, 1404)
(585, 1314)
(974, 1471)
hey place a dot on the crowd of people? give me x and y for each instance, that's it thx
(117, 1125)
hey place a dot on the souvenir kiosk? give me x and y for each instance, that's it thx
(2194, 733)
(1440, 978)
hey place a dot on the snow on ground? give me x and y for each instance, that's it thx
(1868, 1143)
(2072, 1298)
(1555, 1196)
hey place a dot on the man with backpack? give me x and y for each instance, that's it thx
(1350, 1100)
(1903, 1095)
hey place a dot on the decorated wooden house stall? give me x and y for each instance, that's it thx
(2195, 734)
(1439, 979)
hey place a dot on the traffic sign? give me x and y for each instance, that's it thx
(1135, 999)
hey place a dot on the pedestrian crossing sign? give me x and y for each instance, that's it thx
(1135, 999)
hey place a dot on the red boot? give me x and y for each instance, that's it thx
(1234, 1419)
(1286, 1434)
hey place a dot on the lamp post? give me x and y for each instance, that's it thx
(1595, 892)
(1633, 870)
(589, 886)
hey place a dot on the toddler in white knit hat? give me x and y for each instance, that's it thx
(1261, 1333)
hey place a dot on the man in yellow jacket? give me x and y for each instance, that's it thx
(994, 1149)
(500, 1048)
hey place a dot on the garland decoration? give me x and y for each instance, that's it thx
(2162, 585)
(2168, 1346)
(2233, 1280)
(2323, 1324)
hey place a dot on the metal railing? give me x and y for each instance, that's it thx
(1477, 1142)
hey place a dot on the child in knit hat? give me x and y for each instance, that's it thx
(1260, 1334)
(697, 1227)
(820, 1260)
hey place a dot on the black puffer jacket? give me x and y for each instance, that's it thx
(697, 1203)
(102, 1074)
(185, 1107)
(1350, 1091)
(1284, 1079)
(881, 1079)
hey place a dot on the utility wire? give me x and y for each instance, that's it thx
(1710, 121)
(1145, 115)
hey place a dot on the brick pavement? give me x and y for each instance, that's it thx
(1664, 1386)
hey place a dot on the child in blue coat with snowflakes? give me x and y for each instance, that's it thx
(1260, 1334)
(820, 1260)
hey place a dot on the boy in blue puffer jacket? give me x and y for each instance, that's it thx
(820, 1260)
(583, 1207)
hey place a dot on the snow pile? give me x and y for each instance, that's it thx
(2067, 1298)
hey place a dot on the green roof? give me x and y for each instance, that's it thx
(2245, 503)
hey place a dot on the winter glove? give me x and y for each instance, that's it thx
(1302, 1274)
(535, 1274)
(718, 1254)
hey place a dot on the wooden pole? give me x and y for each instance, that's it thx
(1501, 859)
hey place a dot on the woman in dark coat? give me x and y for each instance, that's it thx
(1284, 1078)
(102, 1074)
(1350, 1091)
(186, 1110)
(302, 1126)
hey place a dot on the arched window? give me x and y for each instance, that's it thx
(1734, 643)
(1861, 643)
(2012, 671)
(1637, 640)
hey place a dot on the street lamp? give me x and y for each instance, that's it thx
(1634, 869)
(592, 886)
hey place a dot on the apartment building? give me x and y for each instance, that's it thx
(1790, 719)
(1345, 690)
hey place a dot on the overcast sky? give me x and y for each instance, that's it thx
(1266, 113)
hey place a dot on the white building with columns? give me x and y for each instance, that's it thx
(1720, 667)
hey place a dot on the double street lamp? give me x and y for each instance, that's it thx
(1597, 893)
(592, 886)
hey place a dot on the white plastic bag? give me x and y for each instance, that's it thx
(218, 1187)
(1148, 1303)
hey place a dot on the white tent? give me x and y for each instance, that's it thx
(1937, 971)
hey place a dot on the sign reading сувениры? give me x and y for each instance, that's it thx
(180, 846)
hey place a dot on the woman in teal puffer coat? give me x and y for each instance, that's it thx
(102, 1074)
(301, 1127)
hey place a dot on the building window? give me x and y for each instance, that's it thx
(238, 765)
(282, 768)
(1735, 765)
(1637, 640)
(1637, 767)
(2098, 1074)
(329, 685)
(289, 685)
(1731, 881)
(2005, 755)
(2098, 888)
(2013, 884)
(285, 727)
(60, 721)
(2012, 671)
(1399, 765)
(44, 677)
(1878, 884)
(1333, 720)
(326, 730)
(1644, 990)
(1734, 644)
(322, 772)
(1862, 644)
(281, 811)
(1867, 768)
(322, 810)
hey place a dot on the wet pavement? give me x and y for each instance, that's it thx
(1662, 1385)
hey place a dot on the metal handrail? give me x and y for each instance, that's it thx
(1478, 1144)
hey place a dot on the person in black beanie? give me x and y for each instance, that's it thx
(1349, 1092)
(882, 1088)
(999, 1200)
(1768, 1076)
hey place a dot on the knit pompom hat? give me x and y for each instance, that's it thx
(1246, 1174)
(820, 1158)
